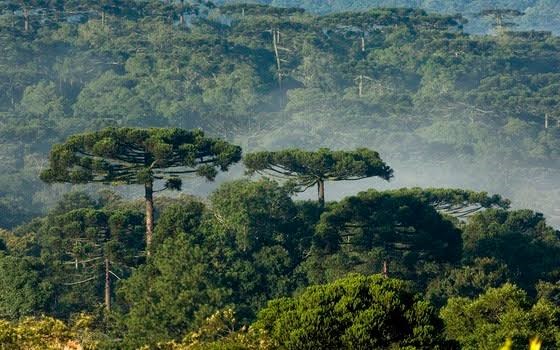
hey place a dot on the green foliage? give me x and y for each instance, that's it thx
(256, 214)
(260, 233)
(376, 227)
(24, 291)
(309, 167)
(449, 109)
(537, 13)
(179, 219)
(468, 280)
(47, 333)
(456, 202)
(498, 314)
(502, 17)
(42, 100)
(356, 312)
(222, 331)
(305, 169)
(172, 293)
(242, 253)
(109, 95)
(519, 239)
(82, 66)
(128, 155)
(72, 247)
(252, 243)
(22, 243)
(14, 212)
(43, 333)
(139, 156)
(74, 200)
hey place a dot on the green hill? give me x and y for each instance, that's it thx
(443, 107)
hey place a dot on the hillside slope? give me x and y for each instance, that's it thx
(444, 108)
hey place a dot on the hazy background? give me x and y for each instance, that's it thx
(448, 101)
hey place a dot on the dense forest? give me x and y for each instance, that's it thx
(538, 14)
(411, 85)
(237, 114)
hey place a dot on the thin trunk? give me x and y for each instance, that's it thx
(26, 20)
(107, 286)
(182, 16)
(321, 192)
(385, 271)
(275, 40)
(361, 86)
(102, 18)
(149, 215)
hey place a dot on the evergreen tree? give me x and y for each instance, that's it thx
(305, 169)
(139, 156)
(356, 312)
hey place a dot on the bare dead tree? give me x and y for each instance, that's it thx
(360, 79)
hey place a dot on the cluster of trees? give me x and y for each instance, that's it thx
(408, 83)
(253, 268)
(537, 14)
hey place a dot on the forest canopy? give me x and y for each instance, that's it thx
(409, 83)
(454, 102)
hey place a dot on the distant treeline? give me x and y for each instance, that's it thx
(538, 14)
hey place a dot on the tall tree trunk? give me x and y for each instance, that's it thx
(102, 18)
(107, 286)
(26, 19)
(149, 187)
(275, 42)
(361, 86)
(182, 15)
(321, 192)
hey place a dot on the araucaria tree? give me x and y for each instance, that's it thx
(139, 156)
(305, 169)
(502, 18)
